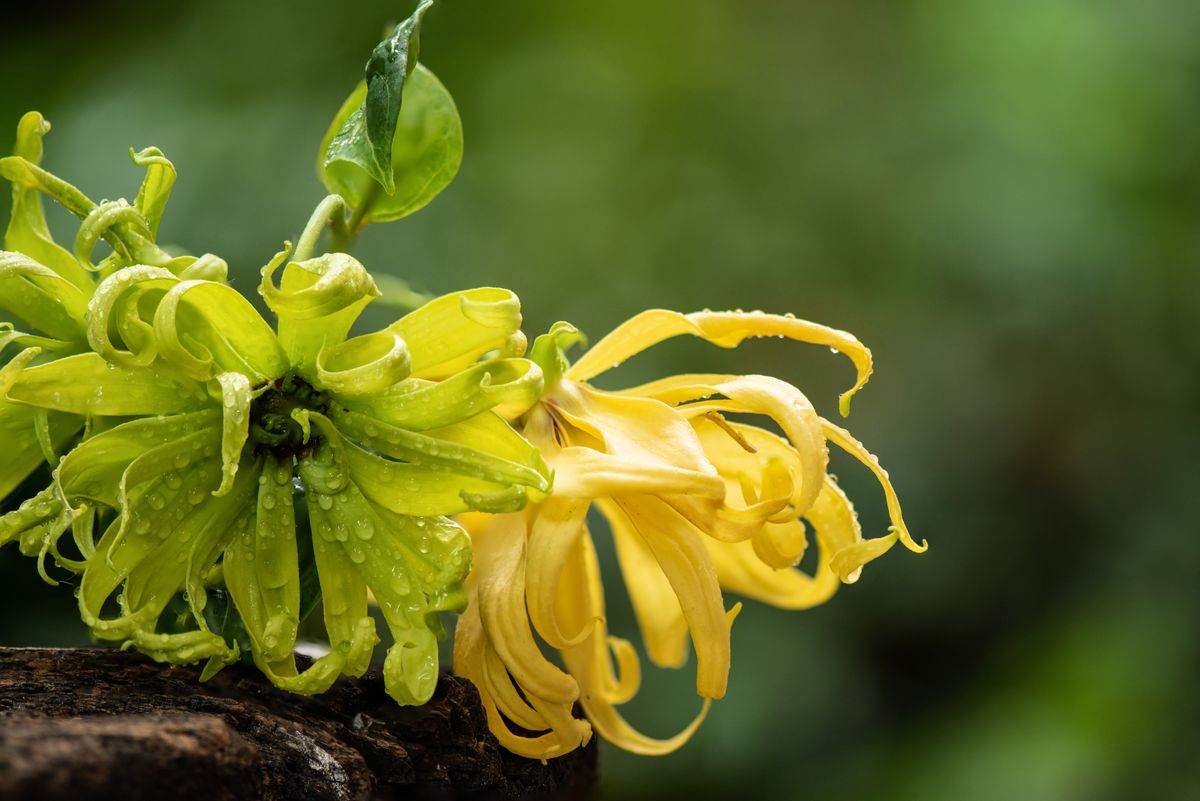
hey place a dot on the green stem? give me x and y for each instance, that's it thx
(341, 242)
(332, 212)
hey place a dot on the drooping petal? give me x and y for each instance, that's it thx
(726, 329)
(450, 333)
(557, 527)
(261, 569)
(475, 658)
(235, 425)
(655, 603)
(580, 601)
(413, 566)
(680, 553)
(843, 439)
(500, 572)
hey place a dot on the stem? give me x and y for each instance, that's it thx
(332, 212)
(343, 240)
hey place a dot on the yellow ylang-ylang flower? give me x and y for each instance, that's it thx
(696, 503)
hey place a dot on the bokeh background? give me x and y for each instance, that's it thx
(1001, 199)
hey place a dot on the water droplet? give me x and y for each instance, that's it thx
(155, 500)
(174, 481)
(364, 528)
(268, 501)
(325, 502)
(182, 459)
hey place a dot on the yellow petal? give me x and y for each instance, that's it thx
(581, 599)
(726, 329)
(842, 438)
(680, 553)
(752, 394)
(655, 604)
(500, 571)
(556, 529)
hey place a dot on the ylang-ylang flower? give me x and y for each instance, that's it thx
(696, 502)
(200, 424)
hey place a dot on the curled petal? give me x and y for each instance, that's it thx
(317, 301)
(586, 473)
(726, 329)
(842, 438)
(96, 225)
(156, 186)
(364, 365)
(118, 300)
(205, 328)
(754, 394)
(452, 332)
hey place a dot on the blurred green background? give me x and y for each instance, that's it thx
(1001, 199)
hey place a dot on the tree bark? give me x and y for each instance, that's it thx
(97, 723)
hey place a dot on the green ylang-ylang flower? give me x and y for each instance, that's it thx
(206, 423)
(195, 424)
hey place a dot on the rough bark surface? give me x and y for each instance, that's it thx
(93, 723)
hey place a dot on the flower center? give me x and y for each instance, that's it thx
(271, 423)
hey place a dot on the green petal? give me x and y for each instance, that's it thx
(452, 332)
(262, 570)
(119, 301)
(316, 302)
(39, 296)
(168, 535)
(94, 469)
(413, 566)
(156, 186)
(364, 365)
(27, 230)
(22, 453)
(406, 489)
(235, 425)
(205, 328)
(483, 446)
(86, 384)
(513, 384)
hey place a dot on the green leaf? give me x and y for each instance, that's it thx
(426, 151)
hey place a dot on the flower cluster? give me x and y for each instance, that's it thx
(221, 477)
